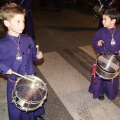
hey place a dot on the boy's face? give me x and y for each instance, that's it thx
(16, 25)
(107, 22)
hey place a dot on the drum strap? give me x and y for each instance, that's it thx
(93, 73)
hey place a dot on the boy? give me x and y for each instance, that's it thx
(106, 4)
(106, 40)
(17, 53)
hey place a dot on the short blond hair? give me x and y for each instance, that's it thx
(9, 10)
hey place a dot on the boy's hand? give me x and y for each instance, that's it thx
(100, 43)
(9, 72)
(119, 53)
(39, 55)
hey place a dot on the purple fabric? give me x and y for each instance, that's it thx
(27, 4)
(8, 51)
(104, 86)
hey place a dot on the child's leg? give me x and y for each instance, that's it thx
(112, 88)
(98, 88)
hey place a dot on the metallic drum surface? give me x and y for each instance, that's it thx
(28, 95)
(107, 66)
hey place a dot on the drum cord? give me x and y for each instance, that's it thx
(104, 49)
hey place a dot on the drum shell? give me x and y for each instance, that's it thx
(23, 103)
(98, 11)
(103, 71)
(26, 105)
(105, 75)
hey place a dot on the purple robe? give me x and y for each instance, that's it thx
(8, 51)
(103, 86)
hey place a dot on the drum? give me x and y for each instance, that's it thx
(28, 95)
(107, 66)
(98, 10)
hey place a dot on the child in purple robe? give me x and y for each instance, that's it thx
(17, 53)
(106, 40)
(107, 4)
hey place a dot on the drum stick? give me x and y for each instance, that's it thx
(104, 49)
(37, 47)
(100, 2)
(22, 76)
(27, 78)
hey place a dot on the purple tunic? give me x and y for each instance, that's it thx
(103, 86)
(8, 51)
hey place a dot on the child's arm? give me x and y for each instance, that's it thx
(97, 43)
(36, 54)
(3, 68)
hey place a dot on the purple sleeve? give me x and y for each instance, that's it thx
(26, 4)
(99, 49)
(34, 51)
(3, 68)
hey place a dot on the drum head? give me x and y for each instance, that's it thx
(97, 11)
(29, 91)
(108, 63)
(28, 95)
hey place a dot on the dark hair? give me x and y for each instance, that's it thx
(113, 14)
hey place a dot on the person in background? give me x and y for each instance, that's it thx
(43, 3)
(58, 5)
(106, 40)
(17, 53)
(29, 24)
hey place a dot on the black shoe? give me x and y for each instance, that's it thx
(39, 117)
(101, 97)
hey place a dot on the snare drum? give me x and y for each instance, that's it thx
(107, 66)
(28, 95)
(98, 10)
